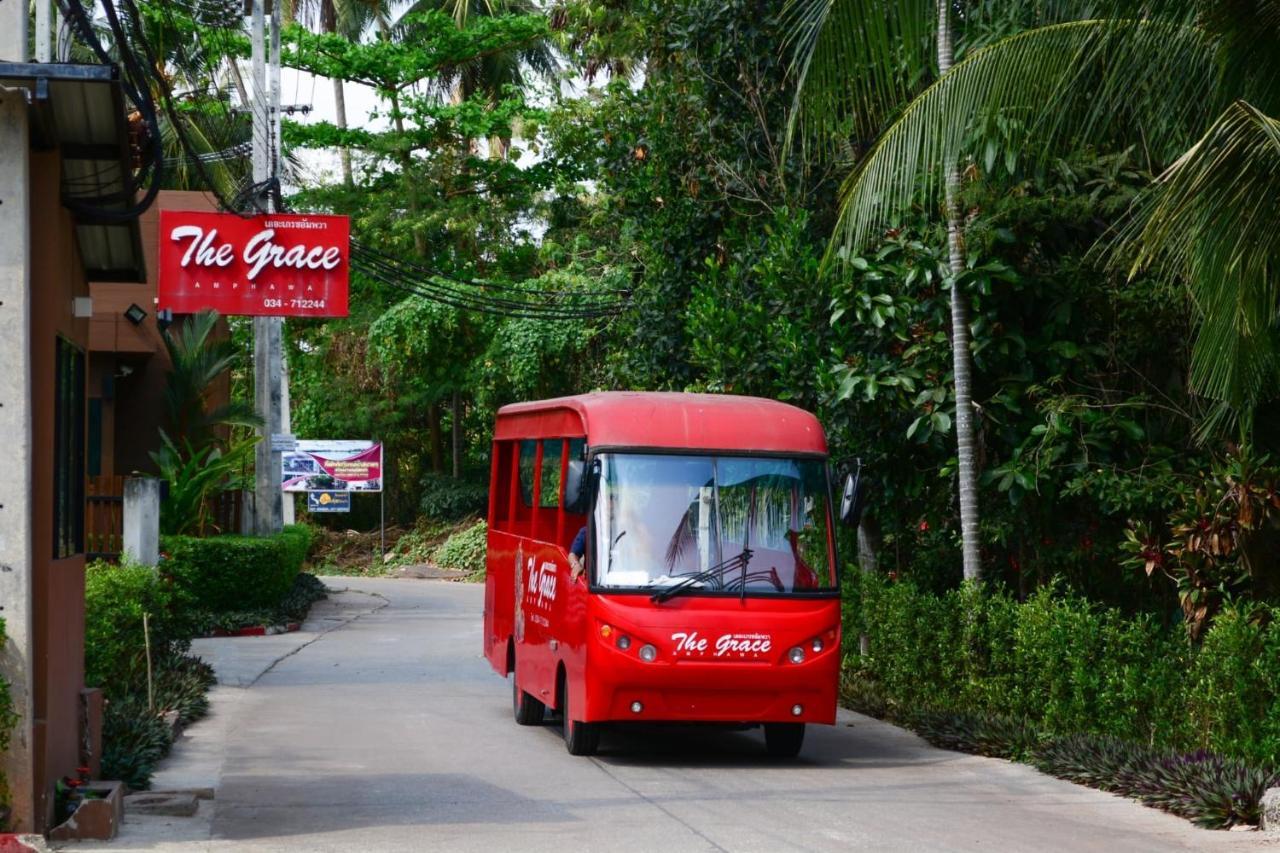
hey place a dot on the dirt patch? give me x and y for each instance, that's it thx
(356, 553)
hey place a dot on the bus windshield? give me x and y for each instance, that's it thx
(739, 524)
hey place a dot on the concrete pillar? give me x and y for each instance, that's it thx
(16, 545)
(246, 512)
(13, 33)
(142, 520)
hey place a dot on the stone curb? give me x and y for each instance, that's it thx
(258, 630)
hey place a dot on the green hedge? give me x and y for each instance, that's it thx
(1070, 667)
(115, 597)
(224, 573)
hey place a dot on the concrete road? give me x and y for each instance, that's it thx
(390, 732)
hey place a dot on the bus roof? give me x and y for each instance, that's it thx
(653, 419)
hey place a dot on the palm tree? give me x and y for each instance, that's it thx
(198, 359)
(349, 18)
(1193, 84)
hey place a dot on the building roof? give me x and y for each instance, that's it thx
(638, 419)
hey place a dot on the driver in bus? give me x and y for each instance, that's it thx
(577, 553)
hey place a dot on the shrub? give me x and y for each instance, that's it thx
(445, 498)
(134, 738)
(306, 591)
(1233, 695)
(464, 551)
(224, 573)
(181, 684)
(1071, 667)
(115, 599)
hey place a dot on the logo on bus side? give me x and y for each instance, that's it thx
(741, 645)
(540, 589)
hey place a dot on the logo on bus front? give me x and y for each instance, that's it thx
(733, 646)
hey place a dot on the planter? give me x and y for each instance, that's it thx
(97, 818)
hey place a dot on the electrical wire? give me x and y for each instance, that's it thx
(152, 169)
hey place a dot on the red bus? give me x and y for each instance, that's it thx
(710, 589)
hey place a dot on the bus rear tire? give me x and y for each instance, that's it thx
(783, 740)
(528, 711)
(579, 738)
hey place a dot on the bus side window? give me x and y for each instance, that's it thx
(572, 522)
(549, 497)
(526, 471)
(500, 486)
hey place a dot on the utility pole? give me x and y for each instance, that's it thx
(268, 505)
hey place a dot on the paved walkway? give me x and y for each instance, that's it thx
(381, 728)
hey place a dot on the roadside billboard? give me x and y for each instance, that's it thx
(332, 466)
(269, 265)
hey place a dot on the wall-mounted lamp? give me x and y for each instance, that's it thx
(82, 307)
(134, 314)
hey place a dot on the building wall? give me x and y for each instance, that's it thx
(58, 585)
(134, 358)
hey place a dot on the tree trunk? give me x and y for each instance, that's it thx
(457, 435)
(433, 425)
(329, 23)
(961, 357)
(406, 162)
(344, 153)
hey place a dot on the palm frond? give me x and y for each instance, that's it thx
(854, 62)
(1066, 85)
(1214, 219)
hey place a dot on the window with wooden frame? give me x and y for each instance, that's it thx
(68, 450)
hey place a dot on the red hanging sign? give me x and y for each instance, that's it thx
(271, 265)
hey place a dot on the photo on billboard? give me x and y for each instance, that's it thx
(332, 466)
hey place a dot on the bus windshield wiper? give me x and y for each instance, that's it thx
(740, 559)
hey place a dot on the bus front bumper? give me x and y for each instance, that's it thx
(722, 693)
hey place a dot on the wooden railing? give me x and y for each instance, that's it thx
(104, 517)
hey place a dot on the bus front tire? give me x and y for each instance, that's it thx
(579, 738)
(528, 711)
(783, 740)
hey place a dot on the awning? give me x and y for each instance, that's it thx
(80, 110)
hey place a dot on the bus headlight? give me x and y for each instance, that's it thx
(817, 645)
(648, 653)
(624, 642)
(796, 655)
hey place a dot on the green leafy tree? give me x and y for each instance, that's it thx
(1194, 84)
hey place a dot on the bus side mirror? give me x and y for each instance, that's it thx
(575, 487)
(853, 497)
